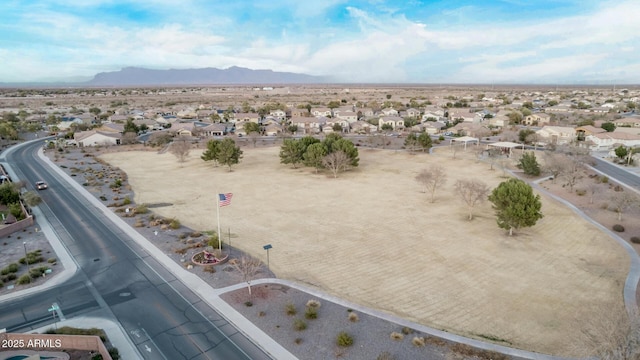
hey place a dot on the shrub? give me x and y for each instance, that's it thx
(141, 209)
(290, 309)
(298, 341)
(262, 314)
(11, 276)
(52, 261)
(604, 179)
(407, 330)
(13, 267)
(210, 269)
(4, 271)
(618, 228)
(299, 325)
(418, 341)
(396, 336)
(175, 224)
(581, 192)
(385, 355)
(248, 304)
(635, 240)
(311, 313)
(313, 304)
(353, 317)
(24, 279)
(343, 339)
(126, 201)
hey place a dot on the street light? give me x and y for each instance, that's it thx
(267, 247)
(26, 257)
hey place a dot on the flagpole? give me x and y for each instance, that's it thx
(219, 237)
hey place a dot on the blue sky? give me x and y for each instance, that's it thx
(375, 41)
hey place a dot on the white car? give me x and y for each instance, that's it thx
(41, 185)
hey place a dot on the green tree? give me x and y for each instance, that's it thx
(95, 110)
(337, 127)
(333, 104)
(621, 152)
(515, 117)
(250, 127)
(130, 126)
(515, 204)
(524, 133)
(609, 126)
(229, 154)
(386, 127)
(411, 142)
(314, 155)
(424, 141)
(291, 152)
(292, 129)
(213, 151)
(529, 164)
(552, 103)
(308, 140)
(8, 194)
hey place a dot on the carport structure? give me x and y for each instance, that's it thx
(465, 140)
(506, 147)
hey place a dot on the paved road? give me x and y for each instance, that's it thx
(615, 172)
(118, 280)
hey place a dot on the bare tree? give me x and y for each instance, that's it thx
(622, 201)
(432, 178)
(472, 192)
(253, 137)
(572, 169)
(592, 189)
(181, 149)
(554, 164)
(247, 268)
(609, 335)
(455, 147)
(336, 162)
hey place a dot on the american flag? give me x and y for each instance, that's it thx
(225, 199)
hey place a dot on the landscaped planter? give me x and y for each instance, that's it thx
(205, 258)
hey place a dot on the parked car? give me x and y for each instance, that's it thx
(41, 185)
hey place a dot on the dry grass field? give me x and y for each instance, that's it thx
(371, 236)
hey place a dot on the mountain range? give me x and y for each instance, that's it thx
(135, 76)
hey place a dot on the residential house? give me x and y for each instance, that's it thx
(308, 125)
(470, 129)
(244, 117)
(96, 138)
(183, 129)
(278, 114)
(558, 135)
(349, 116)
(272, 129)
(389, 112)
(465, 116)
(363, 127)
(630, 121)
(342, 109)
(499, 120)
(433, 127)
(583, 131)
(204, 114)
(611, 140)
(364, 112)
(299, 112)
(321, 111)
(433, 114)
(187, 114)
(118, 118)
(216, 129)
(330, 123)
(112, 128)
(414, 113)
(396, 122)
(537, 119)
(560, 108)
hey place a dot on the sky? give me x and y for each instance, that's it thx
(374, 41)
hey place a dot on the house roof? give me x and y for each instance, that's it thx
(591, 129)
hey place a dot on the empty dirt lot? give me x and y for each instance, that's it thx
(372, 236)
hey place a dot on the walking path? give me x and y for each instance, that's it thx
(212, 296)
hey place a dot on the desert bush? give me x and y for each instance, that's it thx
(313, 303)
(581, 192)
(635, 240)
(311, 313)
(396, 336)
(182, 236)
(248, 304)
(180, 251)
(210, 269)
(432, 340)
(353, 317)
(141, 209)
(262, 314)
(407, 330)
(139, 223)
(11, 277)
(11, 268)
(175, 224)
(385, 355)
(418, 341)
(298, 341)
(618, 228)
(299, 325)
(343, 339)
(52, 261)
(196, 234)
(24, 279)
(126, 201)
(604, 179)
(290, 309)
(37, 272)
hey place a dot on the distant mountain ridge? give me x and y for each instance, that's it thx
(136, 76)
